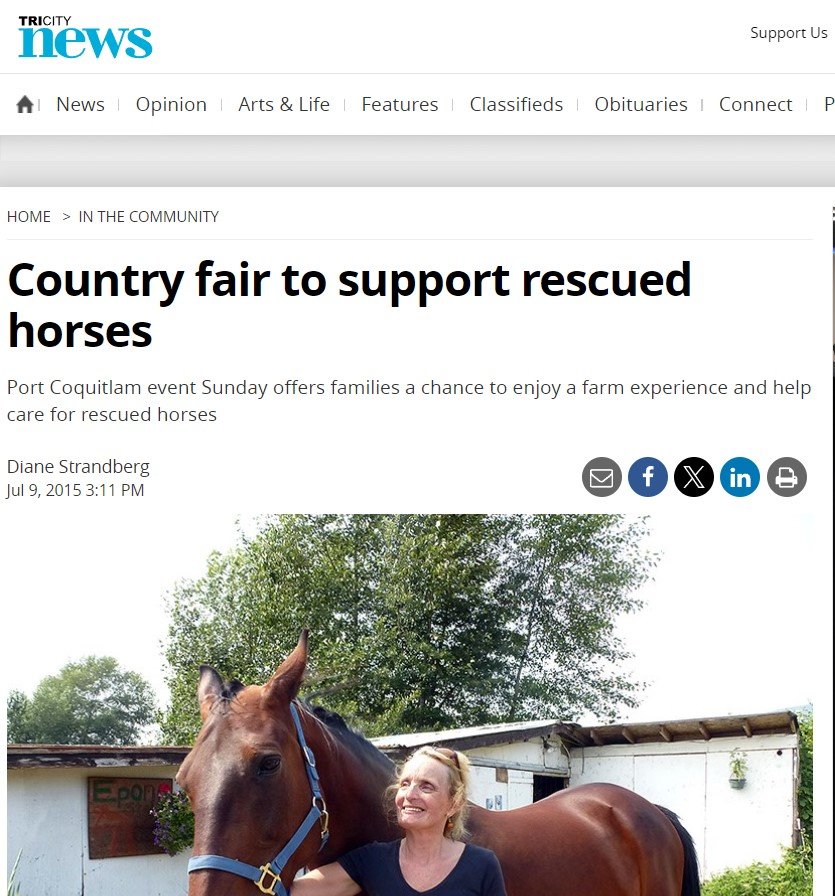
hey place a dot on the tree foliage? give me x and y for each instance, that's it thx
(804, 787)
(92, 701)
(418, 622)
(792, 876)
(17, 730)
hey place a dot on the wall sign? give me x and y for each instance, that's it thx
(119, 820)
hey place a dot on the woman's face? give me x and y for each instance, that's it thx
(423, 799)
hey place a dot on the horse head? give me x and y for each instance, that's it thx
(249, 782)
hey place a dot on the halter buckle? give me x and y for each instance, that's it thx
(261, 883)
(324, 816)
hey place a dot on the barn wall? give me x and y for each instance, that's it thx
(730, 828)
(46, 815)
(47, 808)
(486, 791)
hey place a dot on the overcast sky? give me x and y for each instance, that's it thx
(735, 620)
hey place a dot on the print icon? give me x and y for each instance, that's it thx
(693, 477)
(648, 477)
(786, 477)
(602, 476)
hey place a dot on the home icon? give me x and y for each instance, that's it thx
(24, 104)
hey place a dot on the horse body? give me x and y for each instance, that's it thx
(249, 791)
(594, 839)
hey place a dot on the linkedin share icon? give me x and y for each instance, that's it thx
(647, 477)
(739, 477)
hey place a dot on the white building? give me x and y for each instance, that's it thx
(47, 807)
(683, 765)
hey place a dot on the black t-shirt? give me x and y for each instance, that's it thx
(376, 868)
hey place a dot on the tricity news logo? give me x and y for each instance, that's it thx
(54, 37)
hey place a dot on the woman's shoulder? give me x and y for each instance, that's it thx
(376, 849)
(479, 855)
(371, 855)
(485, 870)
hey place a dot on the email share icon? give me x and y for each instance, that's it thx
(602, 476)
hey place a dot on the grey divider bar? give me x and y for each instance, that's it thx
(417, 161)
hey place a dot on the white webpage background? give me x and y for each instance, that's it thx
(89, 575)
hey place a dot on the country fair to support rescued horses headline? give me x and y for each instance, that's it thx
(27, 280)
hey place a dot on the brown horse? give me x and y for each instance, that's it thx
(252, 789)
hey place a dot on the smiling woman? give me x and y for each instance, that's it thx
(434, 780)
(430, 799)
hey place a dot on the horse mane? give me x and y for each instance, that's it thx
(350, 737)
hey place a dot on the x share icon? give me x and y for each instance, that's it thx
(693, 477)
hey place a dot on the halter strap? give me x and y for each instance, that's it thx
(268, 876)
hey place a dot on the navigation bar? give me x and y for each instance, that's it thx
(454, 104)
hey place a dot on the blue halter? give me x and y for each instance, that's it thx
(267, 877)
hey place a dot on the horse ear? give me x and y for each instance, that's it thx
(285, 683)
(209, 686)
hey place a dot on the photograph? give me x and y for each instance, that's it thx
(577, 664)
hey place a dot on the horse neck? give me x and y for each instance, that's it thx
(353, 790)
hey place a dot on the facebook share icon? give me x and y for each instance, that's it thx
(647, 477)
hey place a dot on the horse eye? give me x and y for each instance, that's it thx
(268, 765)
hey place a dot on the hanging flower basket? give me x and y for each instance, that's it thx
(173, 823)
(738, 767)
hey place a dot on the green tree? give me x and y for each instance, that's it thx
(419, 621)
(298, 571)
(437, 631)
(568, 578)
(92, 701)
(17, 729)
(804, 788)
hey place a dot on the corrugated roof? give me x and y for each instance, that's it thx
(90, 756)
(399, 745)
(781, 722)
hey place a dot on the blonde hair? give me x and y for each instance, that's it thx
(458, 770)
